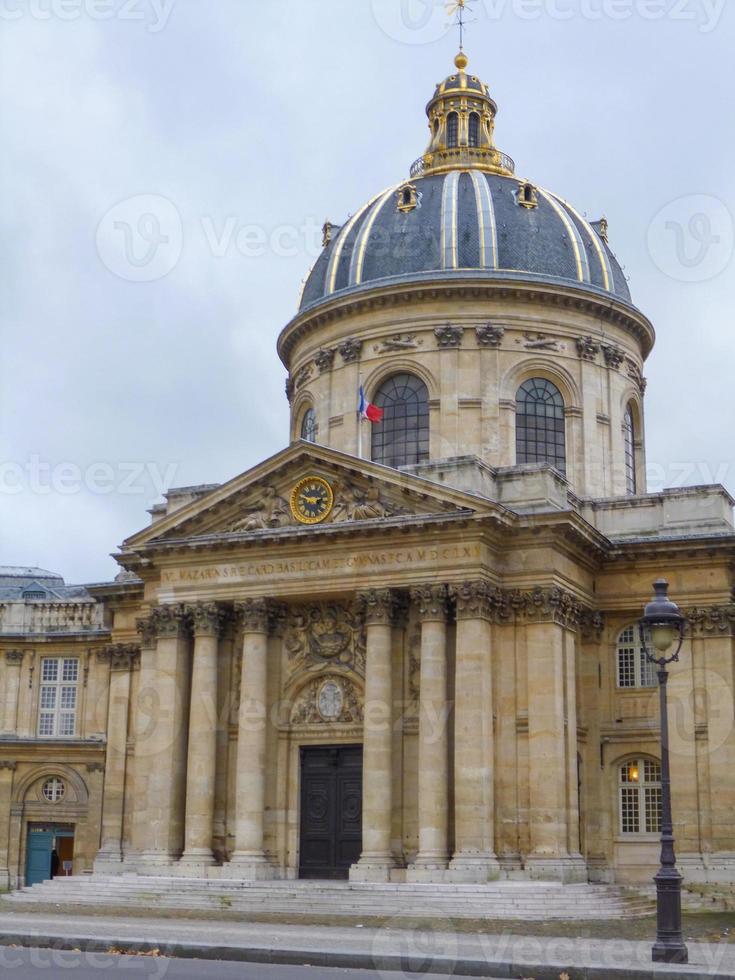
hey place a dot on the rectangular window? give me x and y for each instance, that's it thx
(634, 667)
(629, 815)
(654, 803)
(626, 667)
(57, 714)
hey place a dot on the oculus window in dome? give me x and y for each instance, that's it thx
(469, 215)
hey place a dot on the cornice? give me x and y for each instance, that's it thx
(602, 306)
(289, 534)
(673, 548)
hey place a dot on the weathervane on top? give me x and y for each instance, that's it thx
(459, 7)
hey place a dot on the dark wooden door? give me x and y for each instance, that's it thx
(331, 810)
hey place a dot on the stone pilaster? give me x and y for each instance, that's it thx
(431, 602)
(161, 734)
(713, 730)
(13, 666)
(121, 658)
(208, 622)
(547, 615)
(6, 795)
(377, 860)
(474, 738)
(249, 859)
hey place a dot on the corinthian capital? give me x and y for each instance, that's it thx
(207, 618)
(552, 605)
(431, 602)
(380, 607)
(120, 656)
(170, 621)
(254, 615)
(476, 600)
(14, 656)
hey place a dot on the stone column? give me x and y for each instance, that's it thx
(377, 765)
(6, 794)
(433, 803)
(121, 659)
(474, 741)
(13, 665)
(544, 613)
(249, 860)
(208, 620)
(161, 735)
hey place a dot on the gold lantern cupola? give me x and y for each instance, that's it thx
(462, 124)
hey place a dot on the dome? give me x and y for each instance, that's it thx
(466, 223)
(464, 213)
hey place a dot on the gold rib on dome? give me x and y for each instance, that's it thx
(462, 124)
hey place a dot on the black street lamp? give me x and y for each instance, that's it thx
(661, 627)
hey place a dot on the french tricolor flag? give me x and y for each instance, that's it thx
(368, 411)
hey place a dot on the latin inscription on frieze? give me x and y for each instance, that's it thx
(279, 568)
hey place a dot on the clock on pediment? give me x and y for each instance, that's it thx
(312, 500)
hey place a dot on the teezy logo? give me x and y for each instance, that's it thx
(141, 239)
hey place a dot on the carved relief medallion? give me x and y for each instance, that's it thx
(327, 701)
(330, 700)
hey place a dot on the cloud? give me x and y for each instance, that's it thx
(265, 120)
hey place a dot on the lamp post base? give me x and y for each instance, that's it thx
(669, 946)
(670, 954)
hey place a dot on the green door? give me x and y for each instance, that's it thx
(38, 862)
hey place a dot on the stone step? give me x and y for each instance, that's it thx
(339, 890)
(341, 899)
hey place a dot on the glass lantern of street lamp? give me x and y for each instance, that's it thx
(662, 625)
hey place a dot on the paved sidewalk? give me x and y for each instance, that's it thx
(385, 950)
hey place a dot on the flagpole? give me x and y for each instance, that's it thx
(359, 423)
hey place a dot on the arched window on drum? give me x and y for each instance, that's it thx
(631, 476)
(308, 426)
(402, 437)
(540, 424)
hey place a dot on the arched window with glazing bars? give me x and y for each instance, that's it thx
(402, 437)
(540, 424)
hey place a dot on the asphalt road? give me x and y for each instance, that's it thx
(44, 964)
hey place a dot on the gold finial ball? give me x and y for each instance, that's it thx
(461, 61)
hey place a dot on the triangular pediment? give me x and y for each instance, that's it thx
(263, 500)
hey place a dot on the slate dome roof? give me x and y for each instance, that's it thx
(465, 223)
(464, 214)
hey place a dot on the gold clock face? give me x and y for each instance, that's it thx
(312, 500)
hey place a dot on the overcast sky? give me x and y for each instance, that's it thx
(241, 126)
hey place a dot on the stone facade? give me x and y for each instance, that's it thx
(464, 620)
